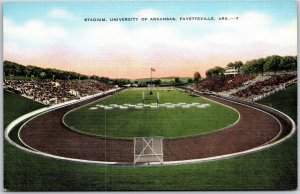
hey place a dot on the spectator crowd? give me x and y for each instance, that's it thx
(222, 83)
(53, 92)
(273, 83)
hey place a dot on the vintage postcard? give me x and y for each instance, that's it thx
(150, 95)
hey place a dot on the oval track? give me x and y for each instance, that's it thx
(47, 133)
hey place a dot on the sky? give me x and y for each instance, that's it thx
(55, 35)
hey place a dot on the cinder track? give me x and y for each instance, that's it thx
(46, 133)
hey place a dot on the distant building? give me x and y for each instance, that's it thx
(233, 71)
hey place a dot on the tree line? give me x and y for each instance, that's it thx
(17, 71)
(272, 63)
(11, 69)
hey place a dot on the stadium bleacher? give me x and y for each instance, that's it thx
(246, 87)
(53, 92)
(268, 85)
(222, 83)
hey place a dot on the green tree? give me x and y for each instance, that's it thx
(238, 64)
(209, 72)
(27, 72)
(35, 71)
(12, 69)
(288, 63)
(42, 75)
(235, 64)
(255, 66)
(260, 64)
(230, 64)
(121, 82)
(247, 68)
(273, 63)
(157, 82)
(294, 67)
(218, 70)
(197, 76)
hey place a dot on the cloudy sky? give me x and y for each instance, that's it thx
(55, 35)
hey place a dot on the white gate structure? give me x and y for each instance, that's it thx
(148, 149)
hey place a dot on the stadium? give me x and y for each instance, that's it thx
(150, 126)
(239, 138)
(150, 105)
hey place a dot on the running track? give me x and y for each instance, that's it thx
(47, 133)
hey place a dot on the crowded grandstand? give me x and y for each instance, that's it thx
(246, 87)
(54, 92)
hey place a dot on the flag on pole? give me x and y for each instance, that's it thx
(152, 69)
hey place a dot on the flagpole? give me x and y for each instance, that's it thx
(151, 75)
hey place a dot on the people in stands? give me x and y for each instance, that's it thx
(259, 88)
(50, 92)
(222, 83)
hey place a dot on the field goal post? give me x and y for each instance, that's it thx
(149, 99)
(148, 149)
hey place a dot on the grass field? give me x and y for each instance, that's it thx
(147, 122)
(272, 169)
